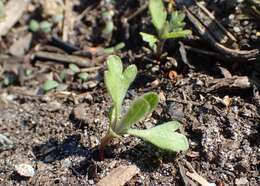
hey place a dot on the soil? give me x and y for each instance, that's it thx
(58, 132)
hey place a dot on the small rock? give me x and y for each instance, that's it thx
(236, 29)
(91, 182)
(231, 16)
(53, 106)
(241, 181)
(25, 170)
(21, 45)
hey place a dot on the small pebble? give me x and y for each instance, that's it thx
(236, 29)
(25, 170)
(53, 106)
(241, 181)
(231, 16)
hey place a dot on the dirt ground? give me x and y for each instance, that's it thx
(214, 95)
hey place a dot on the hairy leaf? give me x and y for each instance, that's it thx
(129, 76)
(177, 34)
(117, 81)
(149, 38)
(163, 136)
(137, 111)
(153, 100)
(158, 13)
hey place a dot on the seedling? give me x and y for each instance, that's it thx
(172, 29)
(117, 83)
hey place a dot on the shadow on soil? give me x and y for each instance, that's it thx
(54, 150)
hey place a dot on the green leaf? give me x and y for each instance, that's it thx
(45, 26)
(149, 38)
(117, 81)
(158, 13)
(129, 76)
(83, 76)
(49, 85)
(163, 136)
(140, 108)
(177, 34)
(74, 68)
(112, 116)
(119, 46)
(137, 111)
(153, 100)
(177, 21)
(34, 25)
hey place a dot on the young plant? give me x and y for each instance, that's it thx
(117, 83)
(172, 29)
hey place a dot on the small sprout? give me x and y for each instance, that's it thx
(109, 24)
(117, 82)
(45, 26)
(119, 46)
(83, 76)
(49, 85)
(63, 75)
(34, 25)
(115, 48)
(150, 39)
(74, 68)
(172, 29)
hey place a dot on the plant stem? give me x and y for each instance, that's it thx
(105, 140)
(160, 48)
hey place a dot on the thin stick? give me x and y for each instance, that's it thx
(64, 58)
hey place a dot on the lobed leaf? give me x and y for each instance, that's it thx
(177, 34)
(117, 81)
(177, 21)
(149, 38)
(158, 13)
(163, 136)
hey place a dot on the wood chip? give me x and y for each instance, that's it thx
(14, 10)
(20, 46)
(119, 176)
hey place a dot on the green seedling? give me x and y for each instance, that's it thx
(172, 29)
(34, 25)
(115, 48)
(49, 85)
(109, 24)
(83, 76)
(44, 26)
(117, 83)
(72, 72)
